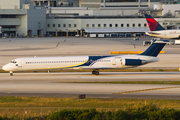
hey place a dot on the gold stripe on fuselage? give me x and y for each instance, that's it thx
(59, 67)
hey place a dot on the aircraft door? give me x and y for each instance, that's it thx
(113, 61)
(118, 62)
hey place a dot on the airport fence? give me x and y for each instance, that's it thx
(22, 113)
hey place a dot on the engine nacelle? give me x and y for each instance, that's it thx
(133, 62)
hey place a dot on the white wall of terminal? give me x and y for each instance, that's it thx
(101, 11)
(13, 4)
(34, 20)
(26, 19)
(88, 23)
(169, 8)
(82, 23)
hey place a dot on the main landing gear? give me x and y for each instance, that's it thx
(11, 73)
(95, 72)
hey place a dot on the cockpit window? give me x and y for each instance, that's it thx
(13, 61)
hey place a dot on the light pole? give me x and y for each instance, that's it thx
(67, 32)
(56, 32)
(1, 31)
(77, 31)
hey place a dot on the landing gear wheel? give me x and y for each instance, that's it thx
(11, 74)
(95, 72)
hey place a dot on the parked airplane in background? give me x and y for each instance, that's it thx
(158, 31)
(95, 63)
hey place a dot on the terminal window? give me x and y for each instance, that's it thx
(93, 25)
(122, 25)
(145, 25)
(110, 25)
(99, 25)
(116, 25)
(75, 25)
(69, 25)
(59, 25)
(127, 25)
(8, 16)
(139, 25)
(64, 25)
(133, 25)
(104, 25)
(87, 25)
(53, 25)
(48, 25)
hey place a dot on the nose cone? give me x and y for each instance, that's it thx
(6, 68)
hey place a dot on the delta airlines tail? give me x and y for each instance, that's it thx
(153, 24)
(95, 63)
(158, 31)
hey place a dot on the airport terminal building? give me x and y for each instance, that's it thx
(82, 17)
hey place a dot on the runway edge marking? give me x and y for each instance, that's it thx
(145, 90)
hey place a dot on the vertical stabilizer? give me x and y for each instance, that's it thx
(153, 24)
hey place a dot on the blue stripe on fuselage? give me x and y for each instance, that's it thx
(92, 60)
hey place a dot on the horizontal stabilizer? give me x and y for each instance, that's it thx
(153, 33)
(161, 41)
(155, 48)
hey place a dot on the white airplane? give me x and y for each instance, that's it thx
(95, 63)
(158, 31)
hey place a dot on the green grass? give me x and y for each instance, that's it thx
(133, 82)
(87, 103)
(36, 107)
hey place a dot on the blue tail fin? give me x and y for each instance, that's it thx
(153, 24)
(155, 48)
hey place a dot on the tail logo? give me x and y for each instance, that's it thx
(152, 23)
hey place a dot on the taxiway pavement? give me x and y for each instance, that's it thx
(56, 85)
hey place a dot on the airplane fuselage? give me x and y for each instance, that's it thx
(78, 62)
(167, 34)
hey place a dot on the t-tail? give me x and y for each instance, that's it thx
(155, 48)
(153, 24)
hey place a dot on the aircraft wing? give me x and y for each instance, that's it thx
(96, 67)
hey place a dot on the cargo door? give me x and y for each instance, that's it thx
(118, 62)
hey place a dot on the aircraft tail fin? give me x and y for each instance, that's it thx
(153, 24)
(155, 48)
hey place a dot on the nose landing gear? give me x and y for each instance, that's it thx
(95, 72)
(11, 73)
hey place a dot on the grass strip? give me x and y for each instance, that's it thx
(7, 101)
